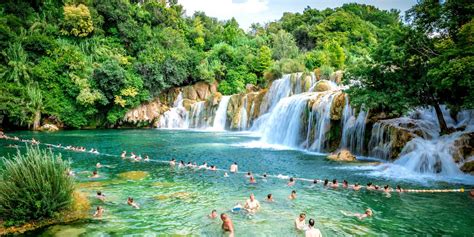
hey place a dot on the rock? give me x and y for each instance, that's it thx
(468, 167)
(148, 112)
(336, 77)
(187, 103)
(190, 93)
(233, 110)
(342, 156)
(213, 87)
(463, 147)
(307, 82)
(133, 175)
(49, 128)
(215, 98)
(338, 106)
(251, 88)
(322, 86)
(202, 90)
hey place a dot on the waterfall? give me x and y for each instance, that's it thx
(380, 143)
(220, 118)
(279, 89)
(176, 117)
(353, 129)
(243, 121)
(322, 123)
(197, 115)
(283, 125)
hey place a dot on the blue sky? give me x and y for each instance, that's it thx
(248, 11)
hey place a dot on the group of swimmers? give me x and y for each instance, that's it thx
(134, 157)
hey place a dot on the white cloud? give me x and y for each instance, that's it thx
(226, 9)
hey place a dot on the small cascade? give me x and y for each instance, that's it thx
(380, 143)
(353, 129)
(322, 120)
(430, 156)
(220, 118)
(243, 115)
(176, 117)
(283, 125)
(197, 115)
(279, 89)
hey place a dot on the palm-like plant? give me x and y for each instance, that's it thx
(18, 66)
(35, 103)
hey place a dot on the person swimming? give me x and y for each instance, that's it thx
(98, 166)
(345, 184)
(95, 174)
(252, 180)
(291, 182)
(203, 166)
(269, 198)
(133, 156)
(311, 231)
(130, 202)
(173, 162)
(387, 189)
(98, 212)
(326, 182)
(181, 164)
(334, 184)
(370, 186)
(234, 168)
(100, 196)
(248, 174)
(226, 175)
(292, 195)
(147, 158)
(399, 189)
(227, 225)
(356, 187)
(252, 205)
(368, 213)
(213, 168)
(300, 222)
(213, 214)
(124, 154)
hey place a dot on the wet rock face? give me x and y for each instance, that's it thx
(468, 167)
(463, 148)
(49, 128)
(337, 106)
(148, 112)
(322, 86)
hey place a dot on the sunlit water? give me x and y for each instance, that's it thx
(177, 201)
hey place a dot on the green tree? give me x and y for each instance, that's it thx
(283, 45)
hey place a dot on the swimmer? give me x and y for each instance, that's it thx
(189, 164)
(181, 164)
(471, 193)
(291, 182)
(133, 156)
(173, 162)
(269, 198)
(98, 165)
(234, 168)
(227, 225)
(399, 189)
(387, 189)
(265, 176)
(124, 154)
(311, 231)
(213, 168)
(252, 205)
(99, 211)
(94, 174)
(334, 184)
(130, 202)
(203, 166)
(370, 186)
(356, 187)
(292, 195)
(248, 174)
(147, 158)
(213, 214)
(300, 222)
(367, 213)
(345, 184)
(100, 196)
(326, 181)
(252, 180)
(138, 158)
(226, 175)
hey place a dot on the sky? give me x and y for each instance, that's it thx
(247, 12)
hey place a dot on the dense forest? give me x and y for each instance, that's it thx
(85, 63)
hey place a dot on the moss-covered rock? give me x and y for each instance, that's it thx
(468, 167)
(337, 106)
(342, 156)
(322, 86)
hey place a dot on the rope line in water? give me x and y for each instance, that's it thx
(285, 177)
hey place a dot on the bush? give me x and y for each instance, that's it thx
(34, 185)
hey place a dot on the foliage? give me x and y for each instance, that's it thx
(77, 21)
(34, 185)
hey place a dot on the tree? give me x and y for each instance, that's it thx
(77, 21)
(283, 45)
(264, 60)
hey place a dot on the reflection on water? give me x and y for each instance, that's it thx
(177, 201)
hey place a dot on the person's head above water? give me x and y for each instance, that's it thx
(334, 181)
(315, 181)
(252, 197)
(94, 172)
(302, 216)
(386, 187)
(369, 212)
(235, 163)
(269, 196)
(311, 222)
(223, 216)
(369, 184)
(293, 192)
(99, 193)
(248, 173)
(326, 181)
(291, 179)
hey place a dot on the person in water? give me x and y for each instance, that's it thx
(98, 166)
(334, 184)
(326, 182)
(367, 213)
(203, 166)
(130, 202)
(292, 195)
(248, 174)
(227, 225)
(181, 164)
(370, 186)
(291, 182)
(399, 189)
(226, 174)
(300, 222)
(270, 198)
(345, 184)
(133, 156)
(100, 196)
(312, 231)
(471, 193)
(98, 212)
(147, 158)
(124, 154)
(95, 174)
(252, 205)
(387, 189)
(356, 187)
(213, 214)
(234, 168)
(252, 180)
(213, 168)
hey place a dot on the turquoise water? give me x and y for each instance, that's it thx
(176, 201)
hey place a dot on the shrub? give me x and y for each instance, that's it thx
(34, 185)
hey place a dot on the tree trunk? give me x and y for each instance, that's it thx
(36, 121)
(442, 123)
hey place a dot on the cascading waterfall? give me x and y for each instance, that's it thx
(380, 143)
(176, 117)
(221, 114)
(243, 114)
(197, 115)
(353, 129)
(322, 113)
